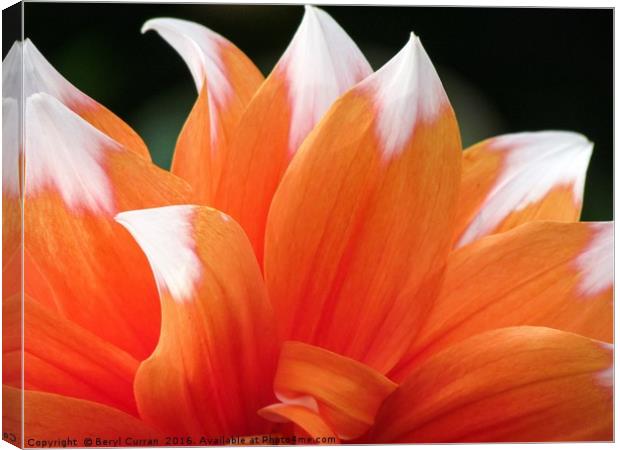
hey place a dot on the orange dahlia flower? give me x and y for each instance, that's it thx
(323, 263)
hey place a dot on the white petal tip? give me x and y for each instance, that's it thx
(534, 163)
(558, 157)
(320, 64)
(165, 235)
(146, 27)
(596, 263)
(406, 90)
(64, 152)
(605, 377)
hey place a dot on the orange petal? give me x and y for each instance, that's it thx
(346, 393)
(40, 76)
(516, 178)
(53, 418)
(320, 64)
(77, 178)
(12, 415)
(360, 227)
(544, 274)
(37, 287)
(225, 80)
(216, 357)
(308, 420)
(63, 358)
(521, 384)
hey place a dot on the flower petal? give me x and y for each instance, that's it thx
(62, 358)
(225, 80)
(37, 286)
(77, 178)
(362, 221)
(40, 77)
(545, 274)
(216, 357)
(346, 393)
(520, 384)
(52, 417)
(308, 420)
(320, 64)
(516, 178)
(11, 196)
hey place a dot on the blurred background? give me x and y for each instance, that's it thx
(505, 69)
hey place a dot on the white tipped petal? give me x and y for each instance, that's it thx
(597, 261)
(166, 238)
(406, 90)
(200, 49)
(10, 146)
(41, 76)
(605, 377)
(534, 164)
(65, 152)
(321, 63)
(12, 72)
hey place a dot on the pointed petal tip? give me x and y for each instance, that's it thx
(320, 64)
(165, 235)
(568, 152)
(15, 47)
(406, 91)
(146, 26)
(156, 22)
(533, 165)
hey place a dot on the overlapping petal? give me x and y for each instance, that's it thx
(216, 357)
(361, 224)
(516, 178)
(521, 384)
(306, 419)
(62, 358)
(39, 76)
(76, 179)
(558, 275)
(343, 392)
(320, 64)
(225, 80)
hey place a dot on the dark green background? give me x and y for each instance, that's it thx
(505, 70)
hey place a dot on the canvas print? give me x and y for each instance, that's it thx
(299, 225)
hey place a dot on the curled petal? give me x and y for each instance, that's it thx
(39, 76)
(307, 419)
(360, 226)
(516, 178)
(545, 274)
(320, 64)
(76, 179)
(521, 384)
(215, 360)
(225, 80)
(346, 393)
